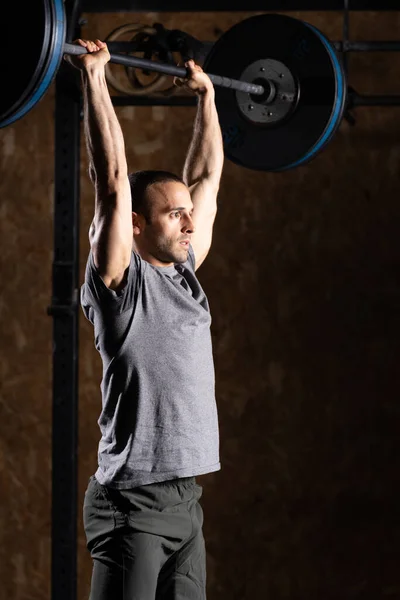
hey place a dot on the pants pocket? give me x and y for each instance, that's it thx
(98, 514)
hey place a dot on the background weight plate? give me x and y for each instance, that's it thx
(313, 62)
(38, 49)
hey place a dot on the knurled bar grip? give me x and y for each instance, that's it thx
(151, 65)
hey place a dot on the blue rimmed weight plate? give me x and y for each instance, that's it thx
(38, 47)
(305, 97)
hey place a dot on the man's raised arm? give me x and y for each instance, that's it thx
(111, 232)
(204, 161)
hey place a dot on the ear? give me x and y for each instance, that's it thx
(138, 223)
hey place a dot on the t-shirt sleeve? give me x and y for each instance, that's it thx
(96, 296)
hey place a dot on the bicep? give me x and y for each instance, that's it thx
(204, 198)
(111, 233)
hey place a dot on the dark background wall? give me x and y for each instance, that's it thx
(303, 282)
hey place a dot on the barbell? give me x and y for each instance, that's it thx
(280, 87)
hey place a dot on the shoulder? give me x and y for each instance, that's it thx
(97, 295)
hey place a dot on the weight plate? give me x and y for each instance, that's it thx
(41, 33)
(322, 91)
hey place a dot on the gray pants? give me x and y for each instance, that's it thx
(146, 542)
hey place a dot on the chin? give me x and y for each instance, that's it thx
(180, 260)
(177, 258)
(183, 256)
(172, 254)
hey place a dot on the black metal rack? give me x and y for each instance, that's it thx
(99, 6)
(65, 312)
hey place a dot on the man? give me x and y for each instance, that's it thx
(159, 428)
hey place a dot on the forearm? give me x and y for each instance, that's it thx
(205, 156)
(104, 140)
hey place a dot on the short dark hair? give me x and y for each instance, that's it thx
(140, 181)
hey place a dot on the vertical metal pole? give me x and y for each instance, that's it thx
(65, 312)
(64, 309)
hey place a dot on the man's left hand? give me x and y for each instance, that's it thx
(197, 81)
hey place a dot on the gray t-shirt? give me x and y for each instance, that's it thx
(159, 416)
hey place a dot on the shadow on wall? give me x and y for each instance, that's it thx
(307, 349)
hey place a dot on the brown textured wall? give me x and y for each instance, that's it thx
(303, 282)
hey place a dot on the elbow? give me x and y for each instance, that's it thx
(214, 181)
(210, 177)
(214, 212)
(92, 174)
(111, 181)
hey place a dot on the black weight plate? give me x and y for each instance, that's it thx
(315, 66)
(38, 47)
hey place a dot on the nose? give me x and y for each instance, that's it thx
(188, 226)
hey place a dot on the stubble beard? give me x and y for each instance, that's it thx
(168, 251)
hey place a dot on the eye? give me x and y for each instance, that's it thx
(176, 214)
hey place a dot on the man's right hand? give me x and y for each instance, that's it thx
(97, 55)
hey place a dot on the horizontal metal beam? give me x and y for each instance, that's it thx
(341, 46)
(366, 46)
(361, 100)
(154, 100)
(98, 6)
(355, 100)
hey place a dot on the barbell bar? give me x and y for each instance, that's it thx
(159, 67)
(280, 86)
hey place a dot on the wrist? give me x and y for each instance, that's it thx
(207, 93)
(93, 71)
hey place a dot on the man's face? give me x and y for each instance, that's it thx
(165, 239)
